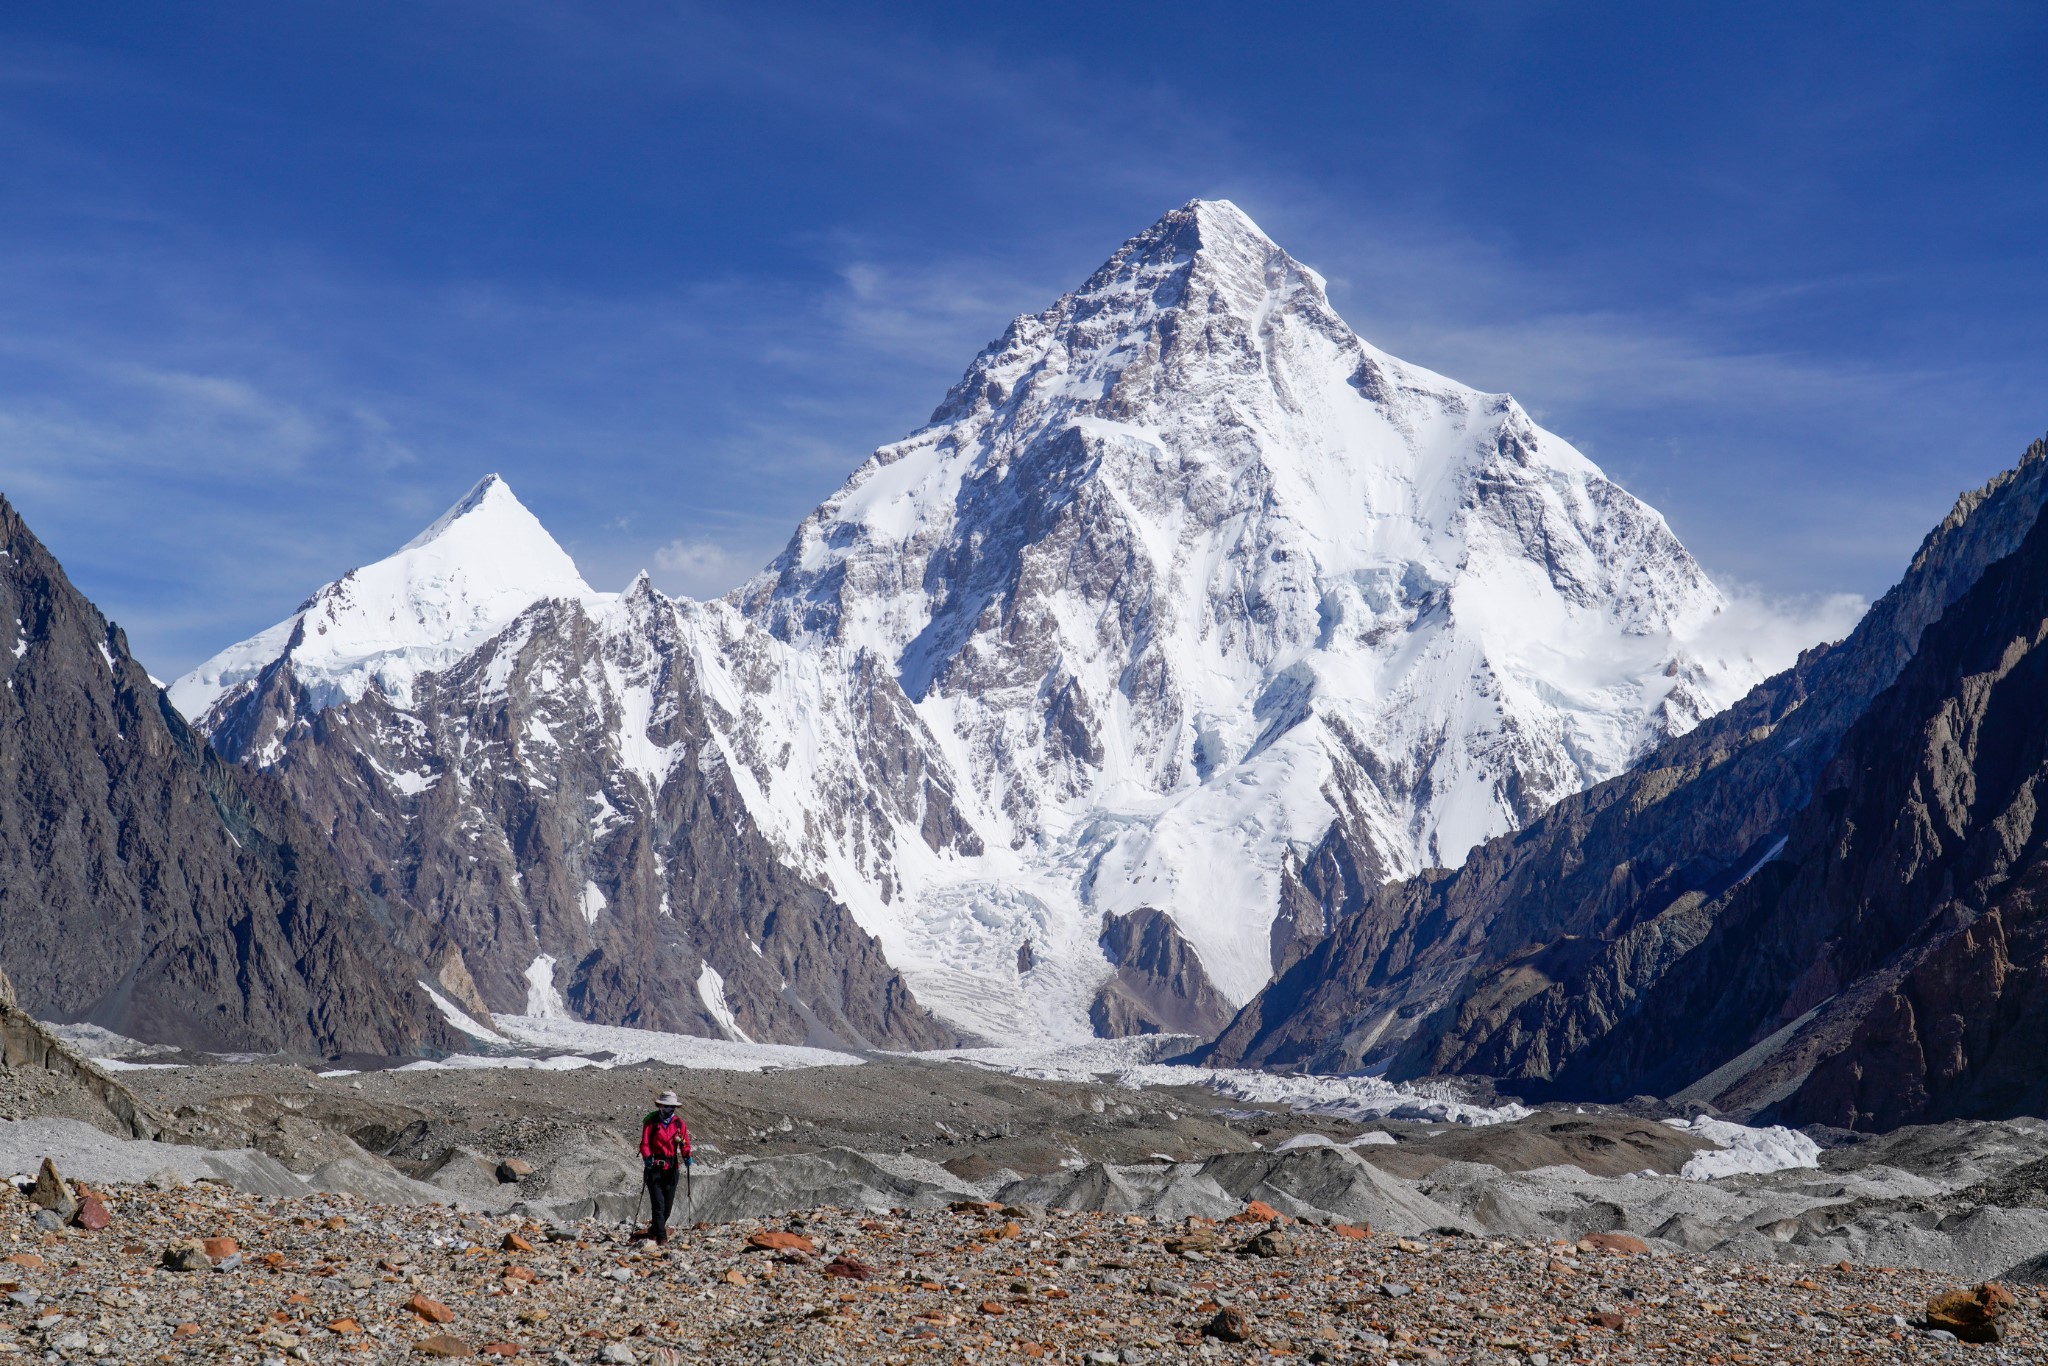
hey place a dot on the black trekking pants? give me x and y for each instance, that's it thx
(661, 1196)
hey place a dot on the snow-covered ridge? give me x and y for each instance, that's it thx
(447, 591)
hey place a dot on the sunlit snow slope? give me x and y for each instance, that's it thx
(1181, 572)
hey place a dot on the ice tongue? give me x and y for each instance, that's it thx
(475, 568)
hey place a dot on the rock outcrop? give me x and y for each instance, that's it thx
(1159, 986)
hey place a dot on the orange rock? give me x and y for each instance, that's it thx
(1256, 1212)
(1010, 1229)
(779, 1240)
(273, 1260)
(518, 1273)
(514, 1243)
(733, 1277)
(27, 1260)
(1616, 1242)
(991, 1307)
(433, 1311)
(221, 1248)
(185, 1330)
(344, 1327)
(92, 1216)
(1972, 1315)
(334, 1221)
(1351, 1231)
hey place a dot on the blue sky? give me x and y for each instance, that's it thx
(279, 282)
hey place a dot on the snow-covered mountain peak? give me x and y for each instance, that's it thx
(1208, 251)
(489, 505)
(1181, 573)
(1182, 565)
(447, 590)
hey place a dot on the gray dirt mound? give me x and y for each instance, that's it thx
(1600, 1144)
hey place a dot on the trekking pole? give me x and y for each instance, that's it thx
(690, 1192)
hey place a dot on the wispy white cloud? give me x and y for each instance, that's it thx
(700, 568)
(1770, 629)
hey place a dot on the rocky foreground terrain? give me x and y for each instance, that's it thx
(912, 1208)
(331, 1278)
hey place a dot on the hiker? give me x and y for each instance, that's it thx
(664, 1142)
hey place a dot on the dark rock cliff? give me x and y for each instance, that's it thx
(1159, 985)
(150, 887)
(1895, 952)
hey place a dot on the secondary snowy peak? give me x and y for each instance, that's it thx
(449, 589)
(1183, 570)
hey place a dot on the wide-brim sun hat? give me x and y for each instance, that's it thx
(668, 1098)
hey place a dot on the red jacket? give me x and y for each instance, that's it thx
(670, 1140)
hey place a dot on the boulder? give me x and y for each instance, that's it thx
(1269, 1243)
(1229, 1325)
(52, 1192)
(187, 1254)
(1972, 1315)
(92, 1214)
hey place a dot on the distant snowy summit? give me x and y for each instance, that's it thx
(1181, 574)
(448, 590)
